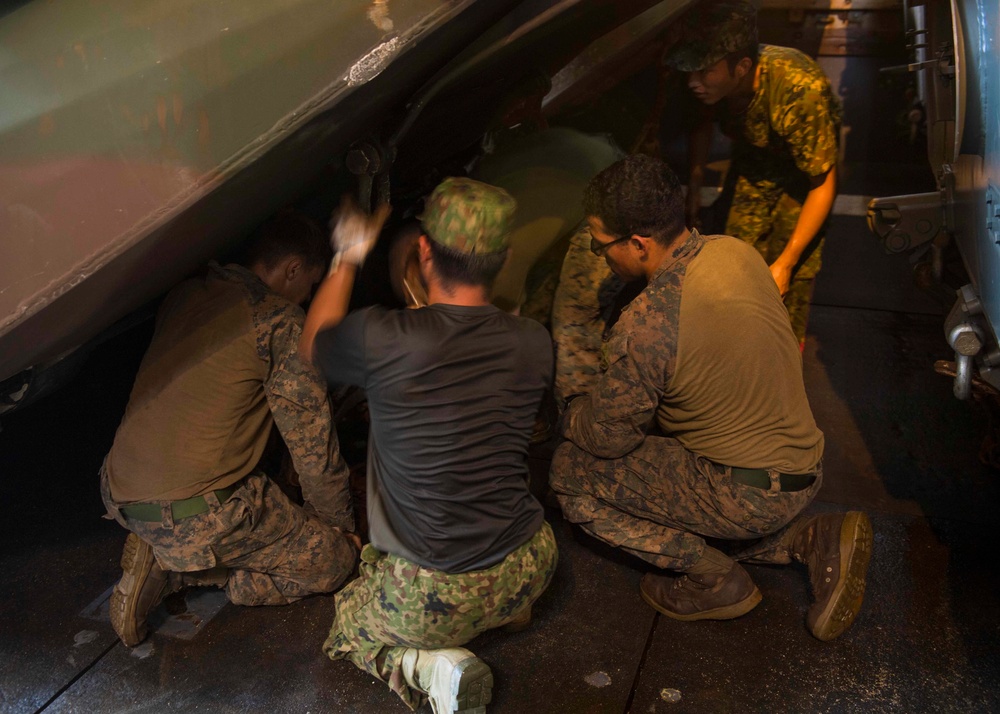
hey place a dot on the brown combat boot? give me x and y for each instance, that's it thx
(701, 597)
(141, 588)
(837, 548)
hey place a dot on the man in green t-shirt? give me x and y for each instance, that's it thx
(778, 108)
(699, 426)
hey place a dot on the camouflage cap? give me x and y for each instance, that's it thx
(711, 30)
(469, 216)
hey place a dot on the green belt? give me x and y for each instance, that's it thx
(153, 512)
(761, 479)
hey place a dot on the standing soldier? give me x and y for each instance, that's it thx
(777, 106)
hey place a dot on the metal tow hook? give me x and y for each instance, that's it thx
(967, 341)
(966, 336)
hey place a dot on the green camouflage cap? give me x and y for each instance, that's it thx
(711, 30)
(469, 216)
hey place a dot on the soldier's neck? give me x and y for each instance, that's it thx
(740, 99)
(457, 294)
(663, 256)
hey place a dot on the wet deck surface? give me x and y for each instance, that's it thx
(898, 446)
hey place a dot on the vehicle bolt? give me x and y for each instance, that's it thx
(965, 340)
(363, 159)
(357, 162)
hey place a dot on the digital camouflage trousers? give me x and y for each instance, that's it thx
(276, 552)
(396, 604)
(660, 501)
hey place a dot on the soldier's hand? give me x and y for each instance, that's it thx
(354, 538)
(782, 275)
(355, 233)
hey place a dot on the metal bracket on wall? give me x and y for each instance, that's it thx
(906, 222)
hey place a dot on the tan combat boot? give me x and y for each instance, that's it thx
(141, 588)
(709, 596)
(454, 679)
(837, 548)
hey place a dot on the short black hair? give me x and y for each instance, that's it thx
(733, 58)
(457, 268)
(639, 195)
(285, 234)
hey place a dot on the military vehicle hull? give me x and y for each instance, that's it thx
(140, 139)
(955, 47)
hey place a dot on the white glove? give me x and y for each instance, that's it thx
(355, 233)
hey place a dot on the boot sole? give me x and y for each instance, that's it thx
(136, 562)
(472, 683)
(856, 541)
(729, 612)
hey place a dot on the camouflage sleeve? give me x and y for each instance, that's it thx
(578, 318)
(297, 396)
(614, 418)
(809, 121)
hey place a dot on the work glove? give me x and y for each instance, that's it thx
(355, 233)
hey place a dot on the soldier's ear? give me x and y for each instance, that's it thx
(424, 248)
(743, 67)
(293, 267)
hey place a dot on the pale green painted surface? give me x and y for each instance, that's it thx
(114, 114)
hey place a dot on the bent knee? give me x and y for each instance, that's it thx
(336, 568)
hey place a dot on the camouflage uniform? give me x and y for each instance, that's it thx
(790, 133)
(580, 311)
(660, 501)
(396, 604)
(588, 301)
(439, 569)
(649, 494)
(277, 551)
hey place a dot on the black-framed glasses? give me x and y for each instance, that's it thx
(599, 249)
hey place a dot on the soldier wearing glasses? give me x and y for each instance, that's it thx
(698, 425)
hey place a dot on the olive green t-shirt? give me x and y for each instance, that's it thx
(222, 368)
(706, 352)
(736, 394)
